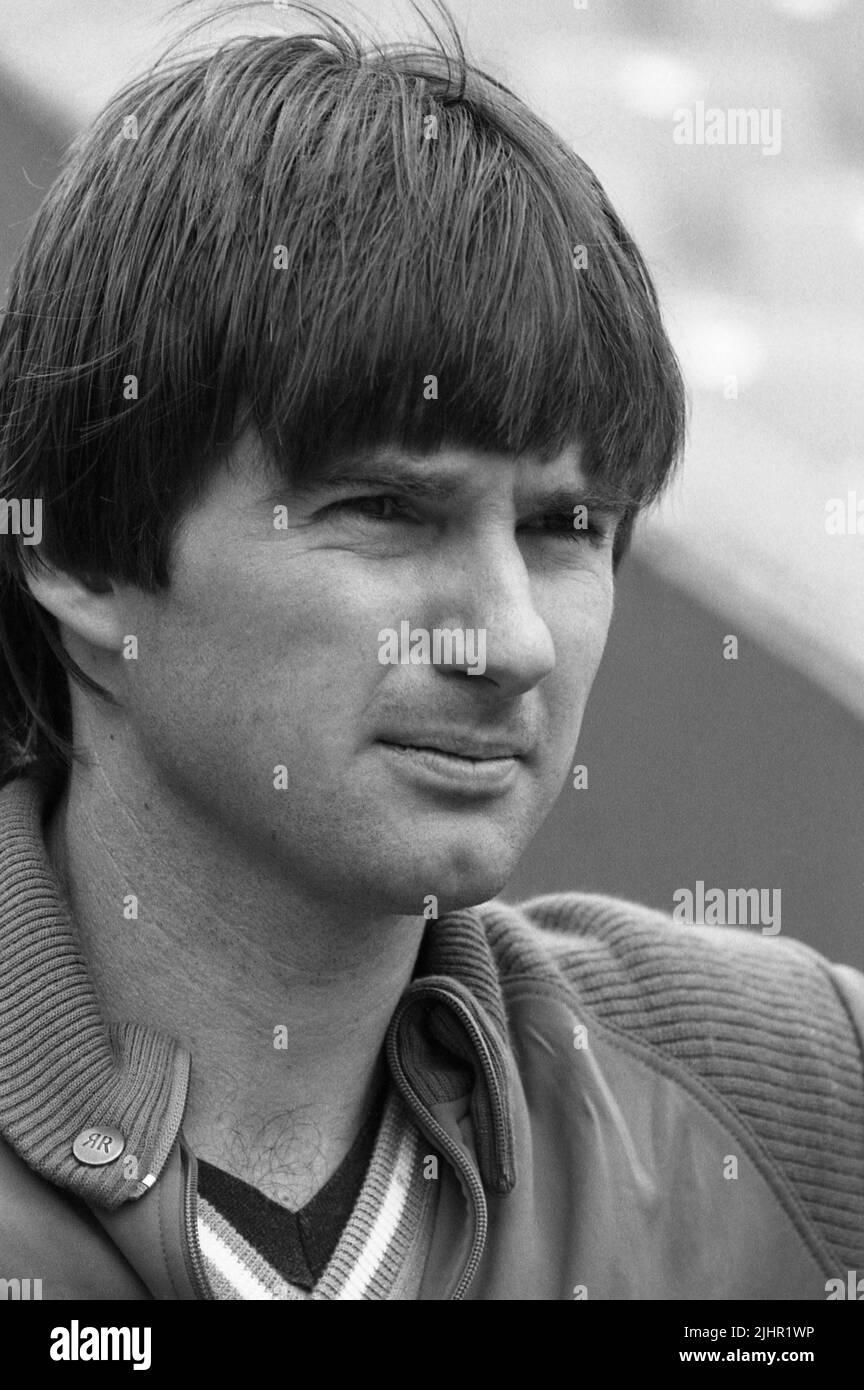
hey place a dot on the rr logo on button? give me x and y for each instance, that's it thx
(98, 1141)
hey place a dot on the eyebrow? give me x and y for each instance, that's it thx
(444, 487)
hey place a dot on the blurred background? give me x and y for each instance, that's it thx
(744, 773)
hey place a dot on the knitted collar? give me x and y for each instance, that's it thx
(63, 1070)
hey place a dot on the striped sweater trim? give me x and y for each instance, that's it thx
(382, 1248)
(234, 1268)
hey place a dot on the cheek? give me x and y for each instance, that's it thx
(596, 632)
(281, 671)
(579, 622)
(579, 630)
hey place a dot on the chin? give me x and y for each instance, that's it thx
(460, 879)
(483, 893)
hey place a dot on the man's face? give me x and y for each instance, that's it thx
(265, 652)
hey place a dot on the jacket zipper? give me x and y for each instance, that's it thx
(460, 1162)
(481, 1220)
(193, 1245)
(479, 1041)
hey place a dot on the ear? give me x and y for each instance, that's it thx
(89, 608)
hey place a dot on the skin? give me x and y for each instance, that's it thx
(303, 907)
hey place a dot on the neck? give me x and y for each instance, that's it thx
(283, 1003)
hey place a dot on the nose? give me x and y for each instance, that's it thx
(496, 600)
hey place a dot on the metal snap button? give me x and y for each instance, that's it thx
(98, 1145)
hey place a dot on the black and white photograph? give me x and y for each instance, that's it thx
(432, 668)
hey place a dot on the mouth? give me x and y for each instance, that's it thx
(459, 746)
(470, 766)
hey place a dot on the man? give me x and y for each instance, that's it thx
(341, 385)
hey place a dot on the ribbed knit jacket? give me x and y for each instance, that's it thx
(712, 1036)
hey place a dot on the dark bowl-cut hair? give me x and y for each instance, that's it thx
(410, 247)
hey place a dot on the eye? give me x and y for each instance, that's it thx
(560, 525)
(379, 508)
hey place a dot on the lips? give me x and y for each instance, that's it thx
(481, 771)
(461, 746)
